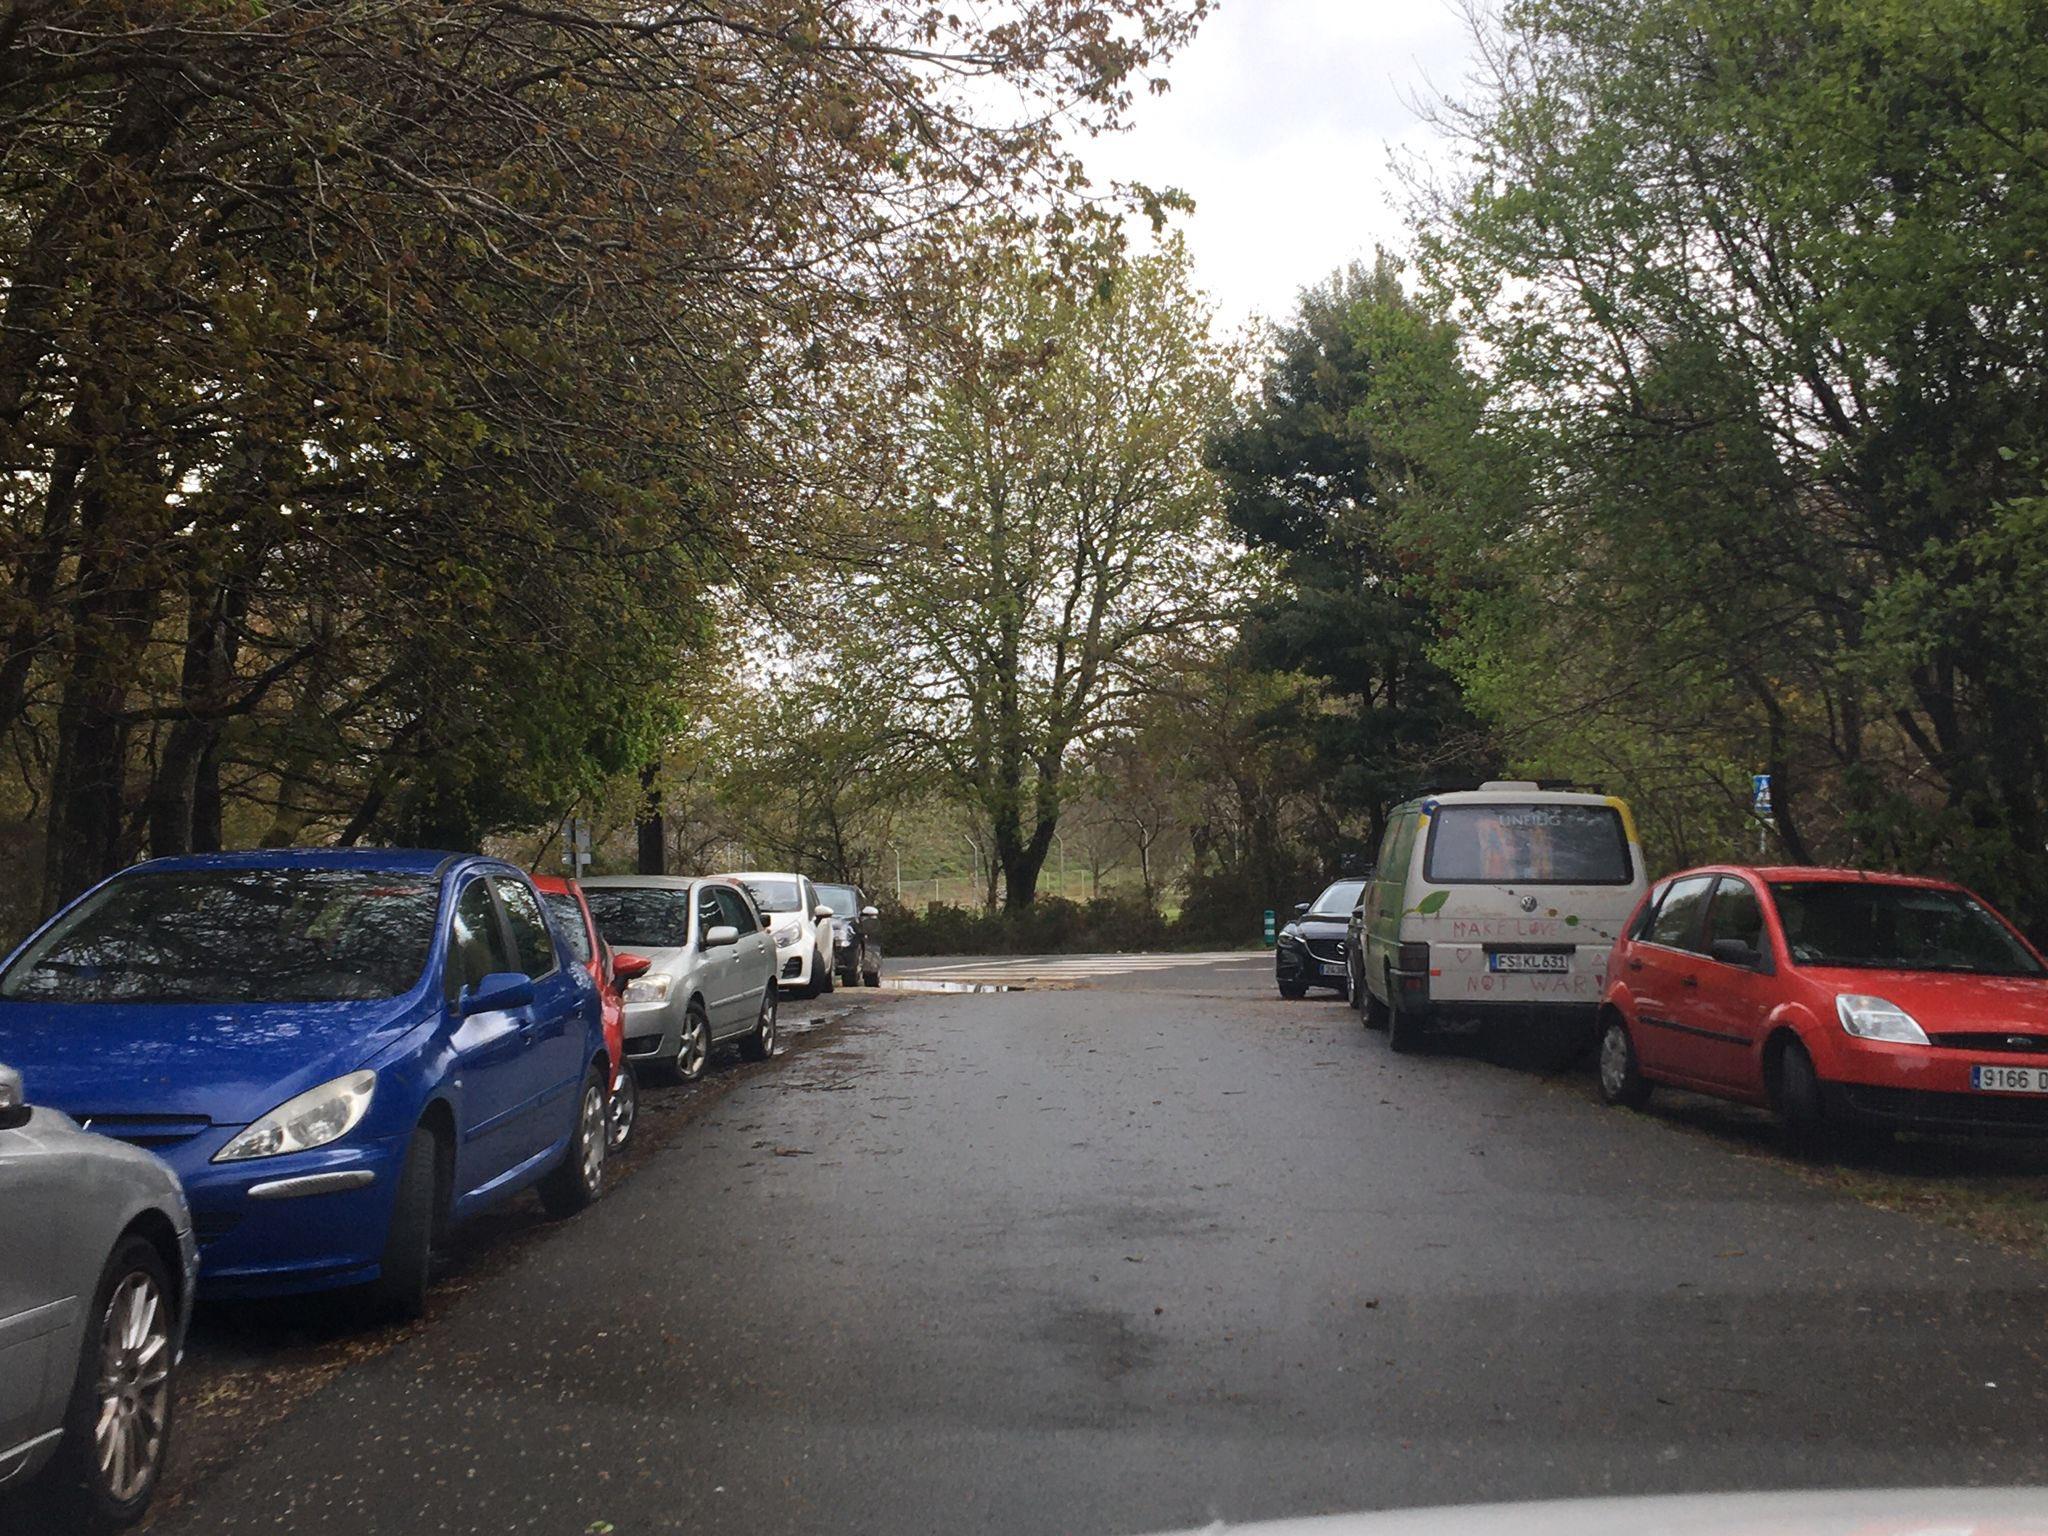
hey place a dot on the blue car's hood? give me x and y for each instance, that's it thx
(227, 1062)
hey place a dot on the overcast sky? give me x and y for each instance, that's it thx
(1279, 124)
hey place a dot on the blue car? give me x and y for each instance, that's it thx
(340, 1052)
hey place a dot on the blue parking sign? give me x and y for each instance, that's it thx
(1760, 793)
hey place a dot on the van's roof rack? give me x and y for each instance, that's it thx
(1459, 786)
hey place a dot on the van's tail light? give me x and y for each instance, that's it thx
(1414, 967)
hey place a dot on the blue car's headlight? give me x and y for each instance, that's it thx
(313, 1119)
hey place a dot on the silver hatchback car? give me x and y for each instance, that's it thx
(711, 972)
(96, 1283)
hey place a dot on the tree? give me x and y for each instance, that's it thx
(381, 385)
(1757, 293)
(1049, 539)
(1322, 468)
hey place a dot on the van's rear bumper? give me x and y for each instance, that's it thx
(1529, 1015)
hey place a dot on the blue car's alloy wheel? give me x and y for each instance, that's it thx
(578, 1179)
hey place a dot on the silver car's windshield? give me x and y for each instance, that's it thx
(643, 918)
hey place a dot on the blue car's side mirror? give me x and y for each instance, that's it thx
(497, 993)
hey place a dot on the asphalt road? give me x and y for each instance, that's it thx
(1138, 1250)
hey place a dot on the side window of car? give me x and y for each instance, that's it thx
(1677, 924)
(710, 911)
(1647, 913)
(476, 941)
(1736, 914)
(531, 936)
(737, 912)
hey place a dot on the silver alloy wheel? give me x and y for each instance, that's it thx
(134, 1386)
(767, 1023)
(624, 1106)
(592, 1129)
(695, 1049)
(1613, 1060)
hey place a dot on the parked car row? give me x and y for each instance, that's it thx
(1846, 1001)
(292, 1071)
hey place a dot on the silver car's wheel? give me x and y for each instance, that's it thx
(117, 1422)
(625, 1107)
(694, 1052)
(760, 1045)
(134, 1386)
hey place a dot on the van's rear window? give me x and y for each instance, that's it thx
(1527, 845)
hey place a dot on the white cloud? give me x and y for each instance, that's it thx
(1278, 125)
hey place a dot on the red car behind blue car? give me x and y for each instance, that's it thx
(1844, 1000)
(338, 1051)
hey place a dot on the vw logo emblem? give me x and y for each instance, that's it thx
(1528, 903)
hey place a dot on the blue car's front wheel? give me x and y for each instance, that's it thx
(399, 1293)
(578, 1179)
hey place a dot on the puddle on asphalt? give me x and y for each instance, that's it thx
(920, 984)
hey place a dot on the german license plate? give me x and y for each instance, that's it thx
(1331, 968)
(1523, 963)
(2009, 1079)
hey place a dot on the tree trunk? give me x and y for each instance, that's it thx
(651, 825)
(115, 605)
(1021, 863)
(212, 640)
(86, 825)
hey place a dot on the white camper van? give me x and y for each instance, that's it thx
(1500, 902)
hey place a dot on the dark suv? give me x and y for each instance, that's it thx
(1311, 950)
(856, 934)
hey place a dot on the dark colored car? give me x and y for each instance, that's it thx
(338, 1051)
(1312, 950)
(1841, 999)
(856, 934)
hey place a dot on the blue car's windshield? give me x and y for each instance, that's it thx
(235, 936)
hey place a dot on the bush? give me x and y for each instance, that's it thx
(1050, 925)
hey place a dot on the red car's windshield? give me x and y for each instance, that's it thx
(1897, 927)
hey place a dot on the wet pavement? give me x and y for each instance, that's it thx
(1142, 1250)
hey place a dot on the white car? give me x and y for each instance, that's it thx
(800, 924)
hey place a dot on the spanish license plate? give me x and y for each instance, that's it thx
(1522, 962)
(1331, 968)
(2009, 1079)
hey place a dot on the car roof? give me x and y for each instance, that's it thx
(765, 874)
(642, 882)
(1515, 794)
(423, 861)
(1818, 874)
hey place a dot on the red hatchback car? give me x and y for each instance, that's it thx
(1841, 999)
(611, 972)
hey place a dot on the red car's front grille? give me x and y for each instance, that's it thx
(1991, 1040)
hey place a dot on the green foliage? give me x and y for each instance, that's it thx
(1321, 469)
(1755, 287)
(1043, 543)
(383, 388)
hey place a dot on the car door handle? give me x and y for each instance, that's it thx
(1688, 981)
(1635, 965)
